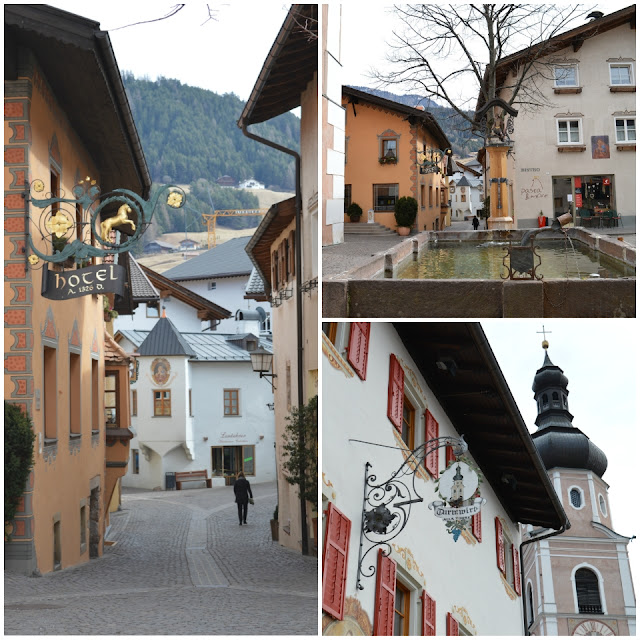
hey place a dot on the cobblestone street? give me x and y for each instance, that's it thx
(180, 565)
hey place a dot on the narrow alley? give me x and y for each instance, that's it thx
(180, 565)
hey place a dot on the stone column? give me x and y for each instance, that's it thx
(500, 215)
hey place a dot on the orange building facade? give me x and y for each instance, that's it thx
(385, 141)
(60, 366)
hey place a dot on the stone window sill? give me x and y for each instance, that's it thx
(572, 149)
(626, 147)
(75, 436)
(561, 90)
(622, 89)
(50, 442)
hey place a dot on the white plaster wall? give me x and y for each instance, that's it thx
(535, 134)
(182, 315)
(455, 574)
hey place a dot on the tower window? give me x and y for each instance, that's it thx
(530, 605)
(587, 591)
(545, 401)
(603, 505)
(576, 498)
(556, 399)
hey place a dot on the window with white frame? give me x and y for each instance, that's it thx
(625, 129)
(565, 75)
(569, 131)
(621, 73)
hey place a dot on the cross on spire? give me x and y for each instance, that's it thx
(545, 344)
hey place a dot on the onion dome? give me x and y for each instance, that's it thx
(559, 443)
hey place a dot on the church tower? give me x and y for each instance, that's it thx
(579, 582)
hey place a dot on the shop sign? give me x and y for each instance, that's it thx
(65, 285)
(459, 490)
(233, 437)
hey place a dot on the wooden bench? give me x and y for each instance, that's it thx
(192, 476)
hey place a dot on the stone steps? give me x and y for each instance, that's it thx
(365, 228)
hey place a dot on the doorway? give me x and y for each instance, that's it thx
(230, 461)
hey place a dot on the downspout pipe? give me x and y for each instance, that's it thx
(300, 349)
(525, 604)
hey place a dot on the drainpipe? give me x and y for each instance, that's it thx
(298, 236)
(562, 529)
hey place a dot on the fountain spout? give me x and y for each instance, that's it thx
(555, 227)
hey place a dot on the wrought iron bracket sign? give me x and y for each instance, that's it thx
(387, 505)
(429, 160)
(100, 279)
(74, 228)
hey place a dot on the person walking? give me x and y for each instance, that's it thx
(475, 222)
(242, 489)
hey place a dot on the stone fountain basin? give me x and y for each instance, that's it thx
(361, 293)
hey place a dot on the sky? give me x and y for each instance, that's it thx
(600, 358)
(223, 55)
(360, 55)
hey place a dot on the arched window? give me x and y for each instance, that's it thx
(576, 498)
(564, 401)
(556, 399)
(545, 400)
(530, 614)
(587, 591)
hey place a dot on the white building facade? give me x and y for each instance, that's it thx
(577, 154)
(424, 579)
(196, 404)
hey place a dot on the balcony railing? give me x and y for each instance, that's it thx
(590, 608)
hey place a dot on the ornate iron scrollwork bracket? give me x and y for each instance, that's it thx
(73, 228)
(387, 505)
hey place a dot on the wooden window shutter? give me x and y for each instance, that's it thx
(430, 432)
(395, 402)
(283, 258)
(358, 352)
(385, 596)
(334, 562)
(292, 252)
(450, 457)
(274, 270)
(287, 263)
(428, 615)
(452, 625)
(517, 585)
(476, 526)
(501, 559)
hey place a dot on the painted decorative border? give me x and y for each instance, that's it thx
(335, 359)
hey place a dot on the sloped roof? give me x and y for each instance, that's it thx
(289, 67)
(574, 38)
(255, 289)
(463, 182)
(224, 261)
(113, 352)
(206, 309)
(164, 340)
(429, 122)
(78, 62)
(142, 289)
(206, 346)
(279, 216)
(480, 406)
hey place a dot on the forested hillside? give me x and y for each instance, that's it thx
(454, 126)
(189, 133)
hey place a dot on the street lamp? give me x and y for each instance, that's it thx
(261, 362)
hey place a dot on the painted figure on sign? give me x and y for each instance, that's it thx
(120, 218)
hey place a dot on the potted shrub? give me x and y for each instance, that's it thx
(406, 210)
(354, 211)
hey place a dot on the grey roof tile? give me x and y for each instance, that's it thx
(255, 285)
(141, 287)
(206, 346)
(165, 340)
(225, 260)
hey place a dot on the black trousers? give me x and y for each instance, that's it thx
(242, 511)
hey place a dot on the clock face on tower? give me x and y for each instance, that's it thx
(592, 628)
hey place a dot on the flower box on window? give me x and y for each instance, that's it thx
(388, 160)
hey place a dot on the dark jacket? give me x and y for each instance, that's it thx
(242, 489)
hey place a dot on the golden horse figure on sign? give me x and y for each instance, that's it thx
(120, 218)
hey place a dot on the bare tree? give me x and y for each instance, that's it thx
(440, 48)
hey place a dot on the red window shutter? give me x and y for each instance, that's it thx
(452, 625)
(516, 570)
(449, 455)
(428, 615)
(358, 352)
(431, 431)
(500, 547)
(395, 403)
(334, 562)
(385, 596)
(476, 526)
